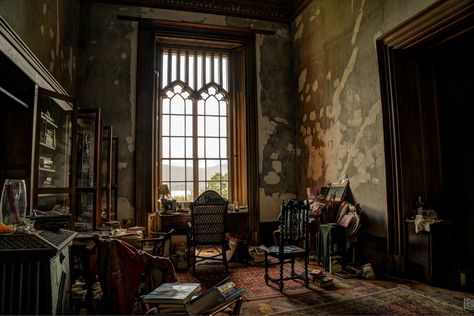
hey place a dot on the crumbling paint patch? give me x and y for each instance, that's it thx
(276, 165)
(315, 86)
(122, 165)
(124, 208)
(328, 76)
(290, 148)
(302, 79)
(123, 55)
(282, 32)
(271, 178)
(336, 101)
(298, 20)
(267, 128)
(356, 119)
(116, 82)
(312, 115)
(42, 29)
(357, 27)
(299, 32)
(270, 204)
(274, 156)
(281, 120)
(130, 140)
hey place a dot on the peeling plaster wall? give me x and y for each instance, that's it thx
(107, 79)
(50, 29)
(340, 128)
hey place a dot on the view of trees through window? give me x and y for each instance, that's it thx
(193, 111)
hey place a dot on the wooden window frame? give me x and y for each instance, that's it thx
(242, 42)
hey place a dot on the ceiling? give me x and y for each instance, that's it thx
(283, 11)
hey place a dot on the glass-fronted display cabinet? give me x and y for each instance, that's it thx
(106, 174)
(54, 179)
(115, 183)
(87, 172)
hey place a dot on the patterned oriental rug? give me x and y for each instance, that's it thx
(249, 277)
(395, 301)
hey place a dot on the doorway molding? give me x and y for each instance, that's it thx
(410, 168)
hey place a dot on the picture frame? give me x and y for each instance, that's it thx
(337, 192)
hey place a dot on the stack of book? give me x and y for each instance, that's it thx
(172, 298)
(215, 296)
(321, 279)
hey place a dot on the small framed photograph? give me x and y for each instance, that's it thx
(337, 192)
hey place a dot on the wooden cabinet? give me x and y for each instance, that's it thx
(54, 147)
(106, 174)
(428, 253)
(87, 172)
(115, 182)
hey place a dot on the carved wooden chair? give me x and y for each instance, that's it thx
(207, 228)
(293, 242)
(159, 244)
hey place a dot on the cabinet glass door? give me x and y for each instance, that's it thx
(87, 171)
(106, 173)
(54, 178)
(114, 191)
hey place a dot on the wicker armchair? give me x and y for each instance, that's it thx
(207, 228)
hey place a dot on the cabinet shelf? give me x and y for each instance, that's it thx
(46, 170)
(47, 146)
(48, 119)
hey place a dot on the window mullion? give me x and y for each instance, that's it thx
(195, 152)
(170, 57)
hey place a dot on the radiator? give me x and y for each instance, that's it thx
(34, 273)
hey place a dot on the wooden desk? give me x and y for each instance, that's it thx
(237, 222)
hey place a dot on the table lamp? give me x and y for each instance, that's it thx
(164, 191)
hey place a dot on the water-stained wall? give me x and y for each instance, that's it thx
(340, 128)
(49, 29)
(107, 63)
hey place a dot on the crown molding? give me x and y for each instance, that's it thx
(282, 11)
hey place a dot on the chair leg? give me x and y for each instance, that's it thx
(266, 268)
(224, 257)
(306, 274)
(281, 274)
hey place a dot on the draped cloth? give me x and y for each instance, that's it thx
(123, 268)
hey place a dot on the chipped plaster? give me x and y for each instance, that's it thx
(271, 204)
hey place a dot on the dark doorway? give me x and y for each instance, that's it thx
(453, 67)
(427, 83)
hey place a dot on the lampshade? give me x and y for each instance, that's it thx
(163, 189)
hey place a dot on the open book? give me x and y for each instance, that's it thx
(176, 293)
(224, 291)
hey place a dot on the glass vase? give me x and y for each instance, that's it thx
(13, 202)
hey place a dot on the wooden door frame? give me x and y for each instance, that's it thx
(437, 24)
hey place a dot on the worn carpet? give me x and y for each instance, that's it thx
(249, 277)
(395, 301)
